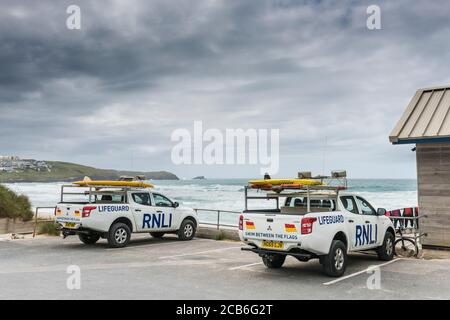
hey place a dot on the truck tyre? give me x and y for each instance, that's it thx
(119, 235)
(273, 261)
(90, 238)
(335, 262)
(157, 234)
(386, 250)
(187, 230)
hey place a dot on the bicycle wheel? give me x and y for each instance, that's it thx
(406, 247)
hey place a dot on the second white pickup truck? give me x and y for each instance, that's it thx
(323, 224)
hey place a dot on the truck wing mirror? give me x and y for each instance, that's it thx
(381, 212)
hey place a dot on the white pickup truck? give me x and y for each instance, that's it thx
(316, 224)
(114, 213)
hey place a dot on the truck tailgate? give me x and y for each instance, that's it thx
(271, 231)
(69, 215)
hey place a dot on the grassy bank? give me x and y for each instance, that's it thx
(65, 171)
(14, 206)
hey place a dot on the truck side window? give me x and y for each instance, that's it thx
(114, 198)
(349, 204)
(161, 201)
(315, 203)
(299, 202)
(142, 198)
(328, 204)
(288, 202)
(366, 208)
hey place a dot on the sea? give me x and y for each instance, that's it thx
(228, 195)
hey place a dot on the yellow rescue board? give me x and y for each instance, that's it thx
(277, 182)
(114, 183)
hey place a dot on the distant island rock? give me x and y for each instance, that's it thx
(199, 178)
(54, 171)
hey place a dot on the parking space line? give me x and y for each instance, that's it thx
(142, 246)
(200, 252)
(245, 265)
(361, 272)
(151, 244)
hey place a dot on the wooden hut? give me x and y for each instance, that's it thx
(426, 123)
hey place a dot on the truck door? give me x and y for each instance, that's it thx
(372, 235)
(169, 219)
(142, 210)
(353, 221)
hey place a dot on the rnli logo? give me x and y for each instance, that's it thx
(159, 220)
(366, 234)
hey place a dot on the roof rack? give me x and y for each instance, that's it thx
(130, 178)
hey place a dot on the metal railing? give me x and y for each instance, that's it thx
(218, 213)
(37, 220)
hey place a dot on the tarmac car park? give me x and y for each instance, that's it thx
(210, 269)
(115, 212)
(316, 221)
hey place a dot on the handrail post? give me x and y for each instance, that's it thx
(308, 200)
(218, 219)
(35, 222)
(245, 196)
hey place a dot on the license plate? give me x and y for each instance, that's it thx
(70, 225)
(272, 244)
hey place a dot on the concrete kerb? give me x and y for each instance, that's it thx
(223, 233)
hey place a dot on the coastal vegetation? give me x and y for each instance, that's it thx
(66, 171)
(49, 228)
(14, 206)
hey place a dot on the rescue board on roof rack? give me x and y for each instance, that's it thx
(114, 183)
(284, 182)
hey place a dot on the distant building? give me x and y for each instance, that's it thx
(8, 158)
(426, 123)
(15, 164)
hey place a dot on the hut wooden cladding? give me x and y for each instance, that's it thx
(433, 185)
(426, 123)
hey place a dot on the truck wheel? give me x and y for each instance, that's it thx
(187, 230)
(405, 247)
(157, 234)
(90, 238)
(335, 262)
(386, 251)
(273, 261)
(119, 235)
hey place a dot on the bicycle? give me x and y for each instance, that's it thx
(407, 246)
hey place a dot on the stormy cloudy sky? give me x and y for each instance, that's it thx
(110, 95)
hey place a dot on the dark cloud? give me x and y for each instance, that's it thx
(111, 94)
